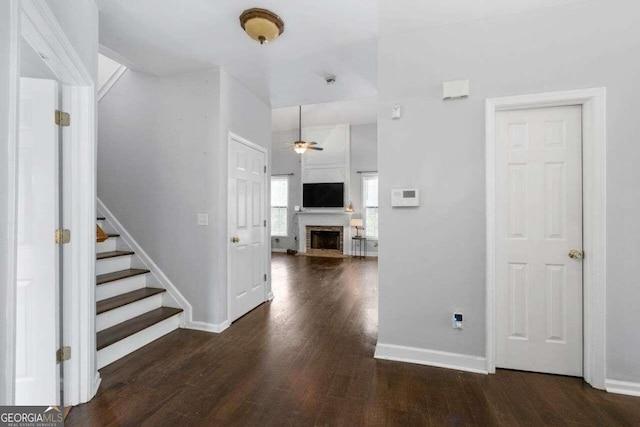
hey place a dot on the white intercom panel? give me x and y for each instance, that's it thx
(405, 197)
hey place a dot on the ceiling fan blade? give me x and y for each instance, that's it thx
(312, 143)
(315, 148)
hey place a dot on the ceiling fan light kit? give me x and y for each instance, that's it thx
(262, 25)
(301, 146)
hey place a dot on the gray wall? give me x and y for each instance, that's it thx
(31, 65)
(247, 116)
(157, 142)
(282, 162)
(364, 156)
(432, 260)
(79, 20)
(162, 159)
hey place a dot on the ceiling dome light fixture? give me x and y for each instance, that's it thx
(261, 25)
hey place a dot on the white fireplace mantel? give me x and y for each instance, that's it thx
(324, 218)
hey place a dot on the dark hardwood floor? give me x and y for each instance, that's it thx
(306, 358)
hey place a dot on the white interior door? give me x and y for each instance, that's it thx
(247, 228)
(37, 326)
(539, 217)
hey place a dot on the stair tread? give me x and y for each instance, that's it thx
(118, 275)
(132, 326)
(124, 299)
(113, 235)
(113, 254)
(101, 218)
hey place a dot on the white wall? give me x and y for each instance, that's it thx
(162, 159)
(364, 157)
(439, 147)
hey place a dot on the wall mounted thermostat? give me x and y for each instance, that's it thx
(405, 197)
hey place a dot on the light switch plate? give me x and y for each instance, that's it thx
(396, 112)
(203, 219)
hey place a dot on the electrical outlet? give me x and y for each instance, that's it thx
(457, 321)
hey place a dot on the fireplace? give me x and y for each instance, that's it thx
(324, 239)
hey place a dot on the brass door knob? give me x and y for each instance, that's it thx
(575, 254)
(235, 239)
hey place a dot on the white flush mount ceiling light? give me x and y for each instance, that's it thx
(262, 25)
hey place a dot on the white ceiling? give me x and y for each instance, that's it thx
(165, 37)
(411, 15)
(354, 112)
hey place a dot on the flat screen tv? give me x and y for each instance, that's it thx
(323, 195)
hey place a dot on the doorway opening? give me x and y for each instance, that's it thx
(37, 39)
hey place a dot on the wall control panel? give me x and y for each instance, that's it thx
(405, 197)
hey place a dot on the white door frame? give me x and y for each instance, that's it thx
(36, 23)
(593, 102)
(268, 294)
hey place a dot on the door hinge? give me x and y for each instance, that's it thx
(63, 354)
(63, 236)
(265, 277)
(265, 169)
(62, 118)
(265, 222)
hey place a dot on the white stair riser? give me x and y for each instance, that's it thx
(121, 314)
(120, 287)
(100, 223)
(130, 344)
(111, 265)
(108, 245)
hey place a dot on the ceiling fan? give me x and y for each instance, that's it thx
(301, 146)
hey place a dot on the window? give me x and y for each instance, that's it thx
(279, 205)
(370, 205)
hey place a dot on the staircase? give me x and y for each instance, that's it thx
(132, 309)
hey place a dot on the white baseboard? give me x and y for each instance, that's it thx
(440, 359)
(279, 250)
(96, 384)
(270, 296)
(622, 387)
(207, 327)
(164, 281)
